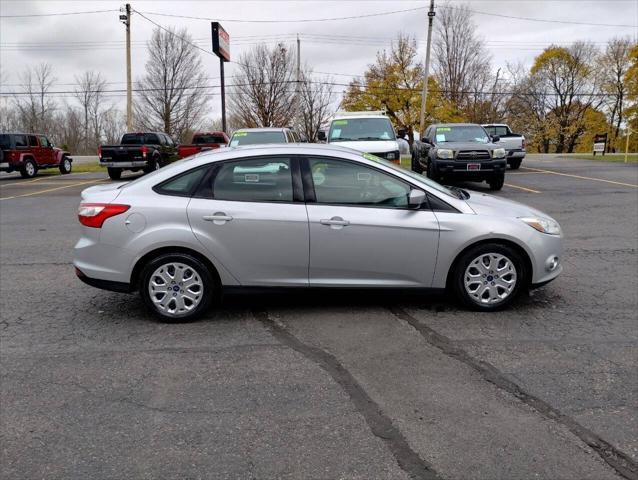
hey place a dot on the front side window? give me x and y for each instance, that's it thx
(500, 131)
(361, 129)
(182, 185)
(44, 141)
(341, 182)
(257, 138)
(254, 180)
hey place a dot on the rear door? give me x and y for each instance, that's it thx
(362, 232)
(249, 216)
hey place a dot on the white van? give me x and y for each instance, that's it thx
(369, 132)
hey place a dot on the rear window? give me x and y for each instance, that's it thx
(5, 141)
(133, 139)
(256, 138)
(500, 131)
(208, 139)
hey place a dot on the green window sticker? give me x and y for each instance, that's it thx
(340, 122)
(241, 134)
(443, 129)
(369, 156)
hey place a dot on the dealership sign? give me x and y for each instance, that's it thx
(600, 143)
(221, 42)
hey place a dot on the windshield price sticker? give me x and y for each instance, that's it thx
(444, 129)
(340, 122)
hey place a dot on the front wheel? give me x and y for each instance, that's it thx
(29, 169)
(416, 164)
(177, 287)
(431, 172)
(65, 166)
(496, 183)
(489, 276)
(115, 173)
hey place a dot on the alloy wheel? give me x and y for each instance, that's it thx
(175, 289)
(490, 278)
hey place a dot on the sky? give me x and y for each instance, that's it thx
(73, 44)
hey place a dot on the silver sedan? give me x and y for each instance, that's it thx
(306, 216)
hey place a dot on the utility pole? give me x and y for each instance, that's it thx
(126, 20)
(424, 95)
(298, 86)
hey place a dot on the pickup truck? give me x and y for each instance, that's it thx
(29, 152)
(202, 141)
(145, 151)
(462, 151)
(513, 143)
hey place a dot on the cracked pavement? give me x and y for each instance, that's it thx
(333, 385)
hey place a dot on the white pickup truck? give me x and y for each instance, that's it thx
(513, 143)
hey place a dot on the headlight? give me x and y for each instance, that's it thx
(444, 153)
(498, 153)
(543, 225)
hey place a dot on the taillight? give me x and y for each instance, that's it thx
(99, 152)
(523, 144)
(95, 214)
(144, 151)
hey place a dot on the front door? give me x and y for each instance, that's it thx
(47, 154)
(362, 232)
(248, 219)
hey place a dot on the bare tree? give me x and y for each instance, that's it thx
(315, 105)
(462, 66)
(264, 91)
(614, 63)
(171, 95)
(35, 107)
(90, 94)
(113, 125)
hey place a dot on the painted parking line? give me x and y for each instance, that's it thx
(48, 177)
(39, 192)
(581, 177)
(522, 188)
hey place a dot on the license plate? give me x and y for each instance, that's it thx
(473, 166)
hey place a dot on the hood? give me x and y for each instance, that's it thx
(484, 204)
(374, 146)
(102, 193)
(467, 146)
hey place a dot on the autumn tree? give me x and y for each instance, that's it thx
(631, 81)
(171, 95)
(263, 94)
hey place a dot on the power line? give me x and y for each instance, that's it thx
(59, 14)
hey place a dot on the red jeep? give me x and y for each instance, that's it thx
(29, 152)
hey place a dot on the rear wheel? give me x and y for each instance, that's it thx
(177, 287)
(496, 183)
(489, 276)
(516, 163)
(153, 164)
(29, 169)
(65, 166)
(115, 173)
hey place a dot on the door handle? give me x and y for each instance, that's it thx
(218, 218)
(335, 221)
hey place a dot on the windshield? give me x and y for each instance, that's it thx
(361, 129)
(256, 138)
(430, 183)
(471, 133)
(208, 139)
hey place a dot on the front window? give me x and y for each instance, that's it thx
(256, 138)
(255, 180)
(361, 129)
(466, 133)
(341, 182)
(44, 141)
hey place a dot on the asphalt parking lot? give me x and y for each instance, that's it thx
(325, 386)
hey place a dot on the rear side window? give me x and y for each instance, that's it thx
(182, 185)
(20, 140)
(33, 141)
(255, 180)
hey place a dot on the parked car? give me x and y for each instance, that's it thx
(203, 141)
(29, 152)
(263, 136)
(306, 216)
(146, 151)
(462, 151)
(369, 132)
(513, 143)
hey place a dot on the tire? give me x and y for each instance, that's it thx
(516, 163)
(496, 183)
(153, 164)
(502, 286)
(65, 166)
(29, 169)
(115, 173)
(416, 165)
(431, 172)
(179, 305)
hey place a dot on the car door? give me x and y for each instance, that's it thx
(253, 221)
(362, 232)
(46, 151)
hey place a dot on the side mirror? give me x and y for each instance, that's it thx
(402, 132)
(321, 136)
(416, 198)
(495, 138)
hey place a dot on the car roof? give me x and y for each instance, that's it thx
(455, 125)
(262, 129)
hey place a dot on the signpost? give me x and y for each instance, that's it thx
(600, 143)
(221, 48)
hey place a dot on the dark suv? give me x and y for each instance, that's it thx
(29, 152)
(463, 151)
